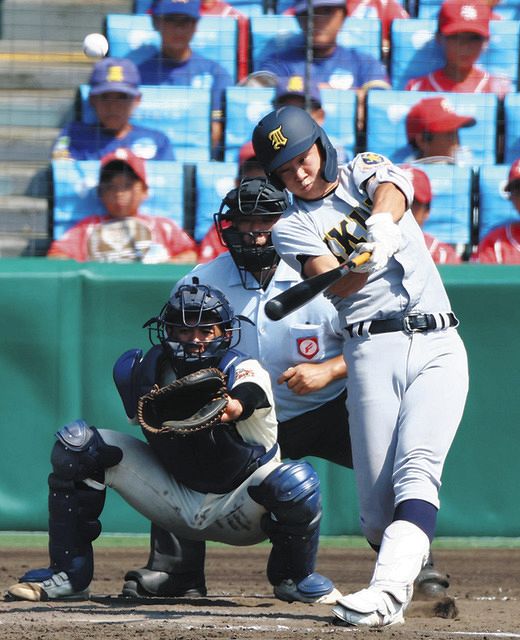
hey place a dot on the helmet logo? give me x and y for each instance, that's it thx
(277, 138)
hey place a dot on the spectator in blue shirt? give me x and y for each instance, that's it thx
(177, 64)
(114, 95)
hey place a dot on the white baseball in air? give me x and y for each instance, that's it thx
(95, 45)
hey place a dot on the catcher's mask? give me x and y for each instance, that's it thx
(195, 306)
(254, 198)
(285, 133)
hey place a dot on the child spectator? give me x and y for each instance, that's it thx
(462, 32)
(432, 129)
(114, 95)
(124, 234)
(502, 244)
(176, 63)
(441, 252)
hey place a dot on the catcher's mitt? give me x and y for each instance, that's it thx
(191, 403)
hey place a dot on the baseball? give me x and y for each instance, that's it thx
(95, 45)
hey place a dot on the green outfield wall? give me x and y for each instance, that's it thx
(64, 324)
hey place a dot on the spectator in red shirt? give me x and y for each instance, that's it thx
(441, 252)
(248, 167)
(124, 234)
(432, 129)
(502, 244)
(463, 32)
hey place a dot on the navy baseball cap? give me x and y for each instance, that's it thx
(301, 6)
(295, 86)
(189, 8)
(115, 74)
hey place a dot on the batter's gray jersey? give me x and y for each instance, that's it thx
(310, 334)
(409, 283)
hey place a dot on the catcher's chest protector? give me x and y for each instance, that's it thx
(215, 460)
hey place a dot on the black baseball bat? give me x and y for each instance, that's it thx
(295, 297)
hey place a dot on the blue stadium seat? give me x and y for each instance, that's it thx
(75, 192)
(452, 203)
(212, 181)
(182, 113)
(364, 35)
(415, 53)
(511, 127)
(133, 36)
(386, 116)
(495, 207)
(247, 7)
(245, 106)
(507, 9)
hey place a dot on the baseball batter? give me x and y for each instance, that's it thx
(400, 342)
(224, 483)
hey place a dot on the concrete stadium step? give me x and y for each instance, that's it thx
(24, 179)
(30, 144)
(57, 19)
(36, 108)
(23, 226)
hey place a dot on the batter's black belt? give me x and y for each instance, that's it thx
(412, 323)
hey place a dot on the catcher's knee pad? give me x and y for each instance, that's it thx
(291, 493)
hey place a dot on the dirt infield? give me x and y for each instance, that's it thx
(485, 585)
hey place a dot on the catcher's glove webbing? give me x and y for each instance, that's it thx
(191, 403)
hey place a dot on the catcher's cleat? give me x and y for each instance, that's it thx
(145, 583)
(315, 588)
(57, 587)
(431, 584)
(369, 608)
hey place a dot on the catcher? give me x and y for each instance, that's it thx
(210, 469)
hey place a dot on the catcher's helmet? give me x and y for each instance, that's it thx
(253, 197)
(195, 306)
(285, 133)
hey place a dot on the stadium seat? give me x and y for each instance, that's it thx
(506, 9)
(182, 113)
(212, 181)
(75, 182)
(386, 123)
(511, 127)
(414, 51)
(133, 36)
(495, 207)
(451, 212)
(245, 106)
(364, 35)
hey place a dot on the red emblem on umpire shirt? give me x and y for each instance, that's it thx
(308, 347)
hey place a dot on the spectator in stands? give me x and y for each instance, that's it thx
(248, 167)
(124, 234)
(462, 33)
(502, 244)
(291, 92)
(176, 63)
(441, 252)
(224, 9)
(432, 129)
(332, 65)
(114, 95)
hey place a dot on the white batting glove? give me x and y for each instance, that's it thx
(383, 240)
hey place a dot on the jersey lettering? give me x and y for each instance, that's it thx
(342, 240)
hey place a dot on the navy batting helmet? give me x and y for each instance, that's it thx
(285, 133)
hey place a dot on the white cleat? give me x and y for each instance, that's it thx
(369, 608)
(57, 587)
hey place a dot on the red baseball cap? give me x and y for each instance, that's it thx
(421, 183)
(459, 16)
(436, 115)
(135, 163)
(514, 174)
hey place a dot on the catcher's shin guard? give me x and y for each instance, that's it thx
(175, 568)
(291, 493)
(79, 457)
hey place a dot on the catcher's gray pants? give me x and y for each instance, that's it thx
(141, 479)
